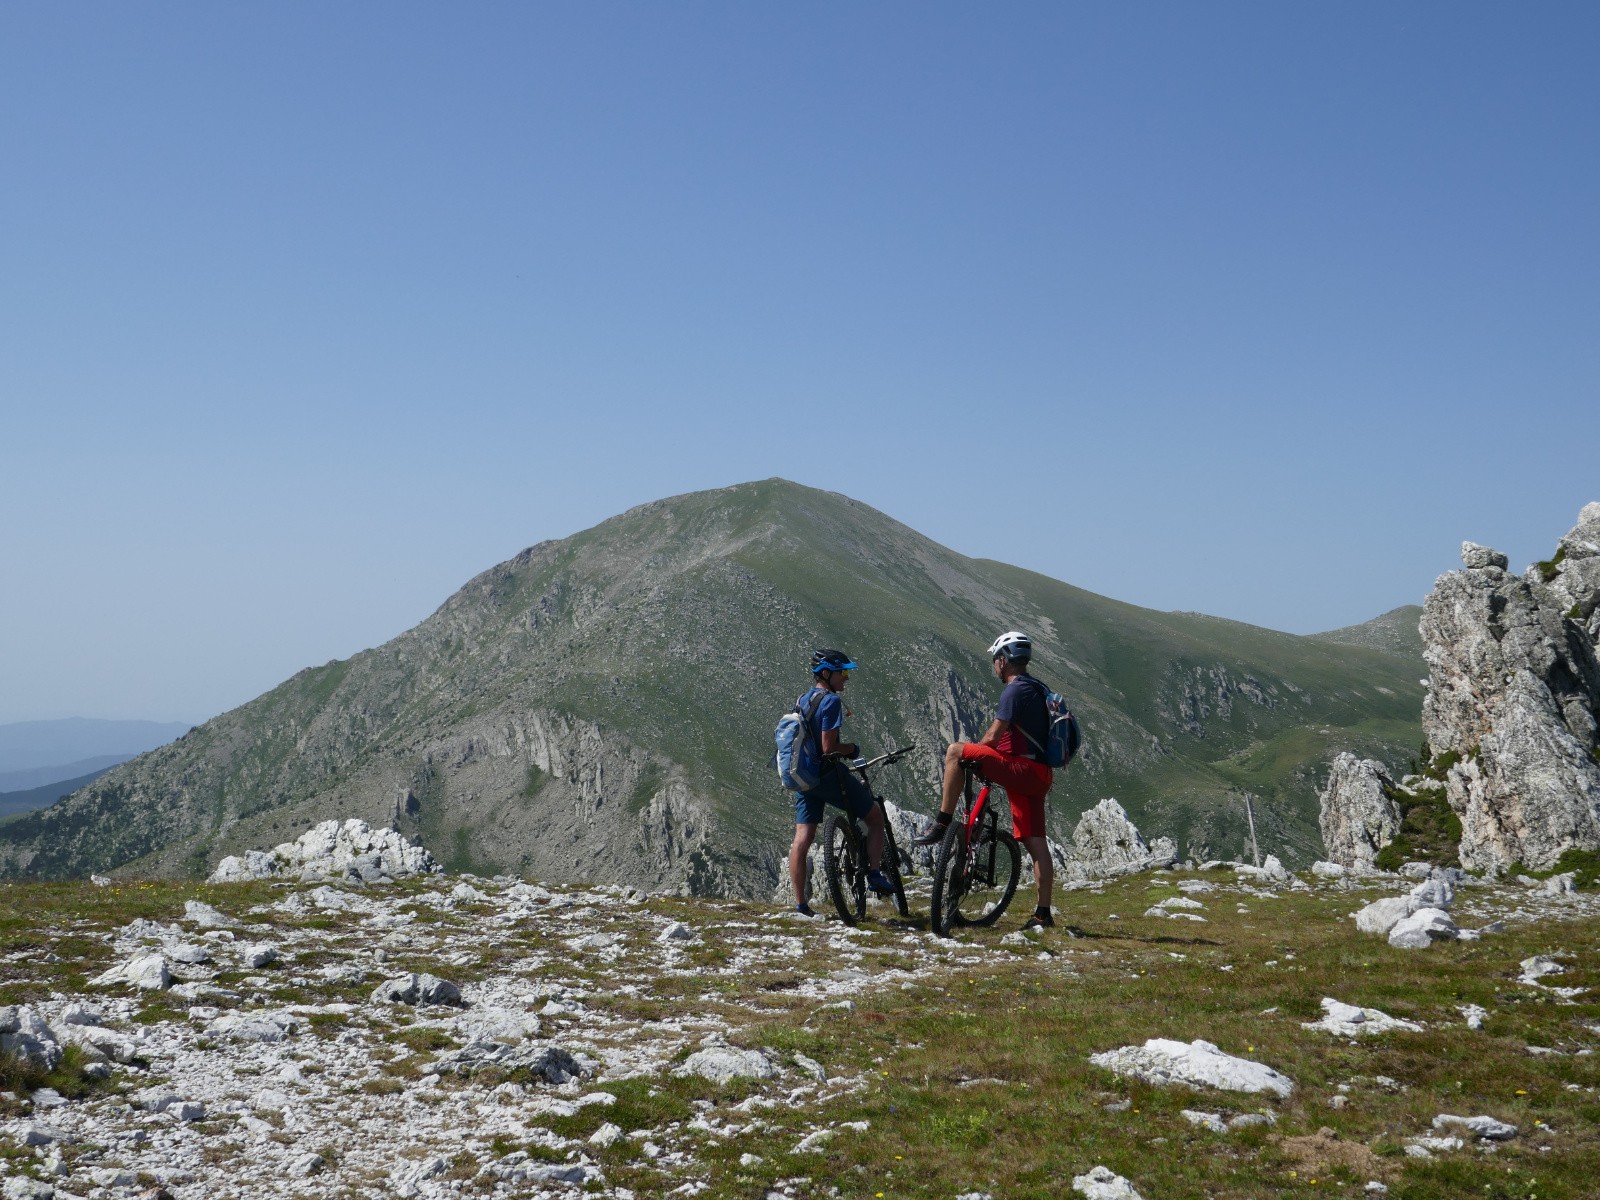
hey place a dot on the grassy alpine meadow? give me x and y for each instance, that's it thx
(957, 1066)
(981, 1080)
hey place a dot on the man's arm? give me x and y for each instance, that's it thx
(830, 744)
(992, 737)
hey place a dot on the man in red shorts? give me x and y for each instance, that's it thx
(1010, 754)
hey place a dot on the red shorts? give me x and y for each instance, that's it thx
(1026, 782)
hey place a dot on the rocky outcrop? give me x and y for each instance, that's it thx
(1106, 844)
(350, 850)
(1357, 816)
(1514, 697)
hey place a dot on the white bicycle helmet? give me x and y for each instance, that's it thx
(1012, 645)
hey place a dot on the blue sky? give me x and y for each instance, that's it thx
(310, 312)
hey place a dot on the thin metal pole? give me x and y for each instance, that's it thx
(1250, 815)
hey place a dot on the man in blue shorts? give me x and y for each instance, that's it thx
(840, 787)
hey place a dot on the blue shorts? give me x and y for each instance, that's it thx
(856, 800)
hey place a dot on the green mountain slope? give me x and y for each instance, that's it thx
(601, 707)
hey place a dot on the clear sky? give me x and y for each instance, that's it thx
(309, 312)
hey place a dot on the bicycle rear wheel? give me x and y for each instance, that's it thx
(949, 881)
(844, 865)
(992, 874)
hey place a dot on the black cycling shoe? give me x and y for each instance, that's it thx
(932, 835)
(1040, 920)
(805, 910)
(879, 883)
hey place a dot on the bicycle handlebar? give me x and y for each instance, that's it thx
(862, 764)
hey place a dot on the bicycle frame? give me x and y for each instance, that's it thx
(979, 810)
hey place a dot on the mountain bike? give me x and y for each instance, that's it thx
(976, 870)
(844, 850)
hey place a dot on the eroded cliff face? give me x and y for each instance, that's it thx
(539, 793)
(1513, 698)
(1357, 817)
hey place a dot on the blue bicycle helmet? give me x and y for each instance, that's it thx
(828, 659)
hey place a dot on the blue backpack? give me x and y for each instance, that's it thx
(1065, 735)
(799, 768)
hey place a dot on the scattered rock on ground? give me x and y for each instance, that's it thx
(1422, 928)
(1483, 1127)
(416, 989)
(147, 971)
(1102, 1183)
(1349, 1020)
(1197, 1063)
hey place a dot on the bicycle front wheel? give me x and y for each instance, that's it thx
(845, 868)
(992, 873)
(949, 881)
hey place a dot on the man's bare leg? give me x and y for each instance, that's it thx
(954, 778)
(804, 835)
(875, 837)
(1044, 870)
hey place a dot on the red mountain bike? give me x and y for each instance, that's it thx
(976, 870)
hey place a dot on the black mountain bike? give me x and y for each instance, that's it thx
(976, 870)
(844, 850)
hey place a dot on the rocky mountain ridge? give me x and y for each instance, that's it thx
(600, 708)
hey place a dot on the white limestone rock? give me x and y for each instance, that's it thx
(543, 1060)
(1349, 1020)
(1514, 693)
(1383, 915)
(1482, 1126)
(205, 916)
(1422, 928)
(418, 989)
(1197, 1063)
(31, 1041)
(146, 971)
(1329, 870)
(258, 956)
(1102, 1183)
(20, 1187)
(100, 1041)
(253, 1027)
(1356, 815)
(1106, 844)
(333, 850)
(1437, 891)
(722, 1064)
(1537, 967)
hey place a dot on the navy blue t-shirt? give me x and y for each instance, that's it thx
(1022, 703)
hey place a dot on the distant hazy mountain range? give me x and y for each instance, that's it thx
(601, 707)
(36, 753)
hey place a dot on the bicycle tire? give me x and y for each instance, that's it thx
(993, 881)
(949, 881)
(891, 868)
(843, 865)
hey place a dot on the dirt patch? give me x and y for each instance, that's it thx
(1324, 1150)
